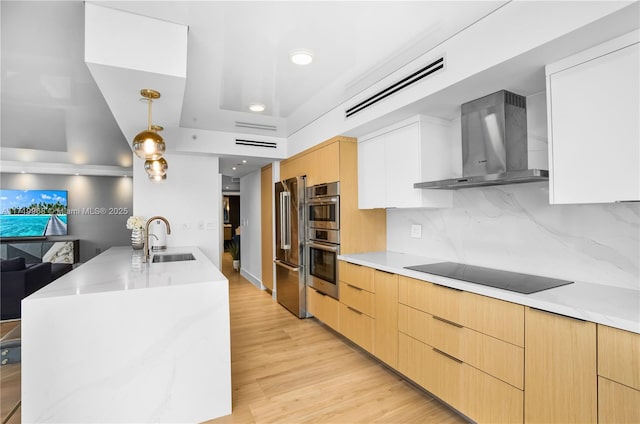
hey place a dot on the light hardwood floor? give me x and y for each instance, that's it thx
(287, 370)
(9, 383)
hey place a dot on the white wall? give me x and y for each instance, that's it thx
(190, 199)
(514, 228)
(250, 239)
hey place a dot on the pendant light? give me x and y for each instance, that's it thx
(156, 167)
(148, 144)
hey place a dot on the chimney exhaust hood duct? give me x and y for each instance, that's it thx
(494, 144)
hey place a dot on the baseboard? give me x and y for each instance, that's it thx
(252, 278)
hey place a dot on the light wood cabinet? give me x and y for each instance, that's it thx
(560, 369)
(593, 104)
(324, 165)
(337, 160)
(501, 359)
(618, 376)
(473, 392)
(266, 223)
(385, 343)
(357, 275)
(617, 403)
(461, 347)
(356, 326)
(323, 307)
(497, 318)
(358, 298)
(480, 374)
(392, 160)
(357, 304)
(619, 356)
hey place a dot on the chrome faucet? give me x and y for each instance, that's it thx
(146, 232)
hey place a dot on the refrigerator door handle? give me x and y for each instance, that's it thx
(285, 220)
(282, 264)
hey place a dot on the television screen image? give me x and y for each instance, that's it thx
(33, 213)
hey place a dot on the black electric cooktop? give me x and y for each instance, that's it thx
(506, 280)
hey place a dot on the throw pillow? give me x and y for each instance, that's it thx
(15, 264)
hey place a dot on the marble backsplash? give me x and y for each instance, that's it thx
(514, 228)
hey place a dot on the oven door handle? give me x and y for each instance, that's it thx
(325, 247)
(333, 201)
(289, 267)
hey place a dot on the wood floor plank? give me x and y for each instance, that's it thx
(9, 389)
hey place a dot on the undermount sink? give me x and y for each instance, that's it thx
(173, 257)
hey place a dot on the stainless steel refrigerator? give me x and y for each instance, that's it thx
(290, 230)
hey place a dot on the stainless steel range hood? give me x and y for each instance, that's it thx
(494, 144)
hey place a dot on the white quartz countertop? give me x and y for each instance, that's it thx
(122, 268)
(613, 306)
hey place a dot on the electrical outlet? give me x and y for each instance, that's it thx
(416, 231)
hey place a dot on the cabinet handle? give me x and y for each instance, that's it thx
(446, 287)
(354, 310)
(455, 324)
(386, 272)
(447, 355)
(560, 315)
(354, 287)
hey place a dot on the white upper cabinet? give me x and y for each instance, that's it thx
(593, 108)
(392, 160)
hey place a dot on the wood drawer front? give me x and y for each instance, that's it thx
(323, 307)
(493, 356)
(497, 318)
(480, 396)
(357, 275)
(414, 293)
(617, 403)
(357, 298)
(357, 327)
(437, 373)
(619, 356)
(413, 357)
(489, 400)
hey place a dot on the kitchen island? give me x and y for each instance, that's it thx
(120, 340)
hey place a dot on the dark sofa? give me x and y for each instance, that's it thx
(18, 281)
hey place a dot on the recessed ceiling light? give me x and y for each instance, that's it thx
(301, 57)
(22, 172)
(77, 173)
(234, 168)
(244, 161)
(256, 107)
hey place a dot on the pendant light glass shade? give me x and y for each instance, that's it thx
(156, 167)
(158, 178)
(148, 144)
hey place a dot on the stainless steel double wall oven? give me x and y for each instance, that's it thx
(323, 237)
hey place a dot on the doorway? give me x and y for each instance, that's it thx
(231, 216)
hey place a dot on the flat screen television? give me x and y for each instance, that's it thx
(33, 213)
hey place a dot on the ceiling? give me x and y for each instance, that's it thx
(238, 53)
